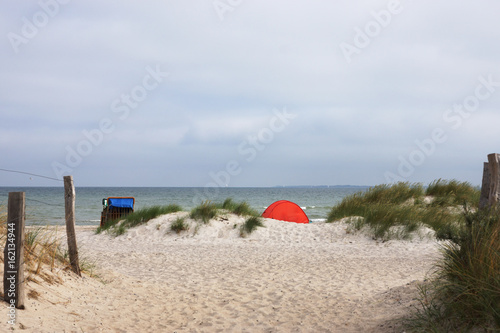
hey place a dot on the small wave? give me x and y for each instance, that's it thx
(318, 220)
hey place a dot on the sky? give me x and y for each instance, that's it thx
(247, 93)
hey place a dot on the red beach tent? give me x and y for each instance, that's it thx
(284, 210)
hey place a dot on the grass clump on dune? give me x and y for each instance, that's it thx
(393, 194)
(179, 225)
(243, 209)
(453, 192)
(252, 223)
(204, 212)
(404, 206)
(380, 197)
(207, 211)
(240, 209)
(141, 216)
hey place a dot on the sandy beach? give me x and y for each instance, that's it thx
(285, 277)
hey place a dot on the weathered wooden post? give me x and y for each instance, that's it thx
(69, 204)
(485, 187)
(13, 274)
(490, 188)
(494, 167)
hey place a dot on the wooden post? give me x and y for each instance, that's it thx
(494, 167)
(13, 274)
(69, 204)
(485, 187)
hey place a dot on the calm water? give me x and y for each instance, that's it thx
(45, 205)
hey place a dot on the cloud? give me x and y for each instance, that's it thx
(355, 119)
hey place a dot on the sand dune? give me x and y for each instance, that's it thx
(285, 277)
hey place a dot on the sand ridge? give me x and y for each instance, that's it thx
(285, 277)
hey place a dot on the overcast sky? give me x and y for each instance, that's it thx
(248, 93)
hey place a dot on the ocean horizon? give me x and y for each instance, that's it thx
(45, 205)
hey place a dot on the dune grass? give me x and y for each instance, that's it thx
(240, 209)
(207, 211)
(453, 192)
(253, 220)
(204, 212)
(465, 293)
(395, 211)
(44, 256)
(179, 225)
(41, 249)
(251, 223)
(393, 194)
(120, 226)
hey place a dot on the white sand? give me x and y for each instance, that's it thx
(285, 277)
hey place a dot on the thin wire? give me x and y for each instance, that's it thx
(2, 202)
(31, 174)
(45, 203)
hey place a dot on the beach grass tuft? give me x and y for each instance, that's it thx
(228, 204)
(179, 225)
(240, 209)
(208, 210)
(251, 223)
(204, 212)
(393, 194)
(42, 248)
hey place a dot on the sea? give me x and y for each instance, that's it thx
(45, 205)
